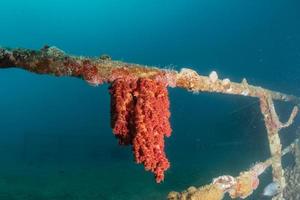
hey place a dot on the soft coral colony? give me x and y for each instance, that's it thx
(140, 117)
(140, 106)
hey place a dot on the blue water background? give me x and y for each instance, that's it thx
(55, 136)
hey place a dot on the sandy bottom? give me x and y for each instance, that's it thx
(113, 182)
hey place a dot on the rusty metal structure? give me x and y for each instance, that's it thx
(98, 70)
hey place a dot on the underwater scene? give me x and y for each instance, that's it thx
(149, 100)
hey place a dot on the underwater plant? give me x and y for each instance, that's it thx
(140, 110)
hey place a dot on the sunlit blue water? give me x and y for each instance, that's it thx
(55, 136)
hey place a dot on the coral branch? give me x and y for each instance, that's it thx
(241, 186)
(292, 174)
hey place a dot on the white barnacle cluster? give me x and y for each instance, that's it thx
(2, 53)
(54, 51)
(5, 53)
(226, 83)
(225, 182)
(245, 85)
(213, 76)
(190, 75)
(169, 77)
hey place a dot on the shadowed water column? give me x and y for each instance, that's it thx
(140, 117)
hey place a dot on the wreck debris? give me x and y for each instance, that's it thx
(211, 192)
(140, 98)
(291, 191)
(246, 183)
(241, 186)
(291, 119)
(98, 71)
(237, 187)
(273, 125)
(292, 175)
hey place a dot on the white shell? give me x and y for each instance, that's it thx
(245, 92)
(213, 76)
(225, 182)
(225, 81)
(245, 82)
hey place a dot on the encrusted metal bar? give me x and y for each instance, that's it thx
(241, 186)
(51, 60)
(273, 126)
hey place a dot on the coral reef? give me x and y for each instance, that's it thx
(140, 117)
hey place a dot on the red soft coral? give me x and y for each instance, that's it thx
(122, 107)
(140, 116)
